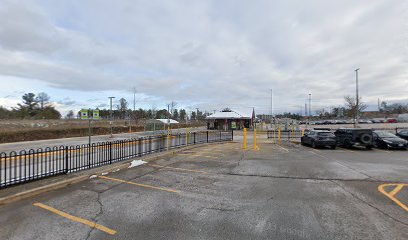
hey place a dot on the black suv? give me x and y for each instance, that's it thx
(349, 137)
(319, 138)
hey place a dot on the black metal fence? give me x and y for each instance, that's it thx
(29, 165)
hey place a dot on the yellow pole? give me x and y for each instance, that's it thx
(255, 147)
(245, 138)
(186, 136)
(303, 132)
(279, 135)
(274, 134)
(168, 138)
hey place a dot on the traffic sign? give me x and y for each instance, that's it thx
(95, 114)
(84, 114)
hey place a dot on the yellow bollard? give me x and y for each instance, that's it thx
(186, 136)
(245, 138)
(255, 147)
(274, 135)
(303, 132)
(168, 138)
(279, 136)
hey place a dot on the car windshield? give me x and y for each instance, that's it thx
(325, 134)
(385, 135)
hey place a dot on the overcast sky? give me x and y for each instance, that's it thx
(205, 54)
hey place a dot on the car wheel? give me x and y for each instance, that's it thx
(347, 143)
(333, 147)
(369, 147)
(314, 145)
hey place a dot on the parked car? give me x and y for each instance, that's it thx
(384, 139)
(391, 120)
(403, 134)
(349, 137)
(319, 138)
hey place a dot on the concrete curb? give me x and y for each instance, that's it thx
(97, 171)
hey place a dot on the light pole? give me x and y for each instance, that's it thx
(271, 106)
(110, 113)
(310, 106)
(357, 100)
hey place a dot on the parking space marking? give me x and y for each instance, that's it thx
(382, 150)
(178, 169)
(348, 150)
(391, 195)
(76, 219)
(139, 184)
(206, 156)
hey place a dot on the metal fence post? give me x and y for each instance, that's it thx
(66, 160)
(110, 153)
(207, 136)
(194, 134)
(232, 135)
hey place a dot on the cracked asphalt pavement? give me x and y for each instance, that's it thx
(282, 191)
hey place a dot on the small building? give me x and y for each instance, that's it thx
(229, 120)
(160, 124)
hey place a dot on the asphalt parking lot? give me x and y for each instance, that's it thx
(221, 191)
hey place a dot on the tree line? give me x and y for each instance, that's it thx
(122, 111)
(32, 107)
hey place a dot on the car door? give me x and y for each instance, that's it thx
(310, 137)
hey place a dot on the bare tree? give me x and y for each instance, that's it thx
(70, 114)
(351, 108)
(43, 99)
(173, 106)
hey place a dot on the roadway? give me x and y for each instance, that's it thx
(18, 146)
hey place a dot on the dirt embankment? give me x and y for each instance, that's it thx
(30, 130)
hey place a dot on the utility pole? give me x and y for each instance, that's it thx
(305, 109)
(271, 104)
(110, 113)
(132, 115)
(310, 107)
(357, 100)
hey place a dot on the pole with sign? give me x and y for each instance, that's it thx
(89, 114)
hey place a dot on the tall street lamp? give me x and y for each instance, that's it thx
(357, 100)
(110, 113)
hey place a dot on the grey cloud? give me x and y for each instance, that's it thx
(209, 53)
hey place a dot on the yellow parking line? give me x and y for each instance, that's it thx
(348, 150)
(391, 194)
(382, 150)
(396, 190)
(180, 169)
(76, 219)
(139, 184)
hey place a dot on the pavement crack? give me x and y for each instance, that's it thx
(308, 178)
(222, 209)
(369, 204)
(100, 212)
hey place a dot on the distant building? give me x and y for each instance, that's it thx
(160, 124)
(229, 120)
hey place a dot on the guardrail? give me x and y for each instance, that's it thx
(28, 165)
